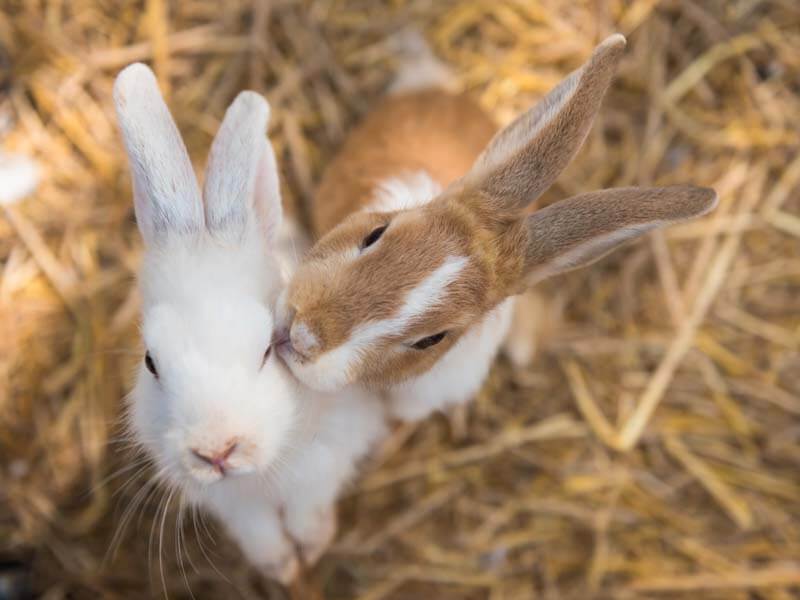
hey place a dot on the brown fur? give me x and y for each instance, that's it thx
(480, 216)
(561, 228)
(333, 312)
(431, 130)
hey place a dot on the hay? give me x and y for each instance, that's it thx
(652, 449)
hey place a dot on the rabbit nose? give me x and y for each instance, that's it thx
(303, 339)
(218, 460)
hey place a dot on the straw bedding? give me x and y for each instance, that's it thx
(651, 450)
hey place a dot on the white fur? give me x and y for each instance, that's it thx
(458, 375)
(428, 294)
(207, 322)
(165, 190)
(291, 244)
(410, 190)
(231, 184)
(330, 371)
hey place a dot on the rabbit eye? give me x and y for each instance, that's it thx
(267, 354)
(150, 364)
(373, 237)
(429, 341)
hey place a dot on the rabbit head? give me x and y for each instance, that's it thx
(211, 399)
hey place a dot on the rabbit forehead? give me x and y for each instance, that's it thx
(188, 268)
(342, 290)
(216, 328)
(207, 295)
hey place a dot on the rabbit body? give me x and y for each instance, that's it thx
(220, 416)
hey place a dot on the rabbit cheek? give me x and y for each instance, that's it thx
(389, 367)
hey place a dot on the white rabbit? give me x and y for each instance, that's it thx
(213, 406)
(426, 239)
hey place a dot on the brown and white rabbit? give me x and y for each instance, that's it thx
(426, 241)
(219, 415)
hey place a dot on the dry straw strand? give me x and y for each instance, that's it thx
(649, 450)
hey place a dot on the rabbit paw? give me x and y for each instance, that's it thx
(282, 569)
(316, 535)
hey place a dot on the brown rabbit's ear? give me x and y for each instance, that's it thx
(524, 159)
(165, 191)
(582, 229)
(242, 177)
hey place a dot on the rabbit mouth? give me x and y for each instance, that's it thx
(209, 474)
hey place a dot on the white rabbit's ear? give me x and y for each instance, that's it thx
(242, 176)
(268, 195)
(524, 159)
(165, 190)
(580, 230)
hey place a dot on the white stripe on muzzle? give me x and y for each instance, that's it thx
(426, 295)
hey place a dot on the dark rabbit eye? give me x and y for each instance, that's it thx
(150, 364)
(429, 341)
(373, 236)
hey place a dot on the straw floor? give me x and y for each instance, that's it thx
(652, 449)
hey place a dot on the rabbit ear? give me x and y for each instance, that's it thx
(582, 229)
(165, 191)
(242, 172)
(268, 194)
(524, 159)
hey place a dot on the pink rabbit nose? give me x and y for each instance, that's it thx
(218, 460)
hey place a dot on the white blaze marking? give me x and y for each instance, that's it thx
(407, 191)
(428, 294)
